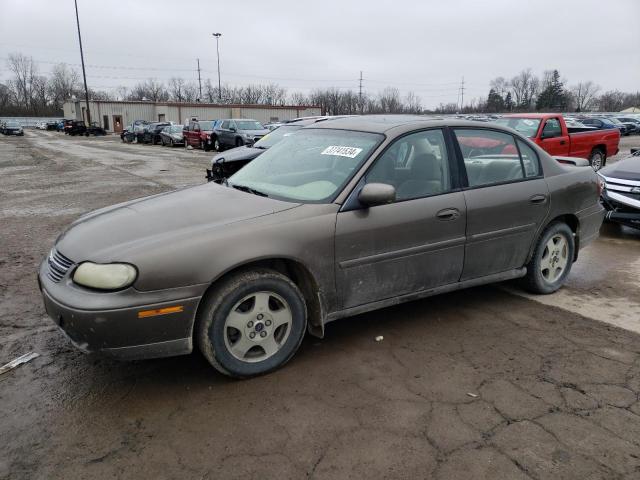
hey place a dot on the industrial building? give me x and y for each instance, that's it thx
(113, 116)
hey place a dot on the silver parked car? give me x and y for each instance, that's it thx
(341, 218)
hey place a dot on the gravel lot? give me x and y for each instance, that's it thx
(483, 383)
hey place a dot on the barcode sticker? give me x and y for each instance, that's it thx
(350, 152)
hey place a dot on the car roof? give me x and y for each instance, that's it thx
(384, 123)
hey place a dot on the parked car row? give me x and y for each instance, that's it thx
(202, 134)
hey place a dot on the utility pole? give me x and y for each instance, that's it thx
(84, 73)
(218, 35)
(199, 81)
(360, 95)
(462, 94)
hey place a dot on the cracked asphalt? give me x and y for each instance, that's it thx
(486, 383)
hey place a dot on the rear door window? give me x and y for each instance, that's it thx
(490, 157)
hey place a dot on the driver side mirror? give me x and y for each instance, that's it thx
(233, 129)
(373, 194)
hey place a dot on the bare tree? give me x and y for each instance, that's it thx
(177, 89)
(24, 72)
(525, 86)
(611, 101)
(501, 86)
(584, 95)
(390, 100)
(412, 103)
(63, 83)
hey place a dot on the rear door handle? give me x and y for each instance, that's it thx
(448, 214)
(537, 199)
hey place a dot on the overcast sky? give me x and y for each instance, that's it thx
(423, 46)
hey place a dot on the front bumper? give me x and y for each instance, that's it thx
(111, 323)
(620, 201)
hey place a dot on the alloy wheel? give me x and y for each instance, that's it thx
(257, 326)
(554, 258)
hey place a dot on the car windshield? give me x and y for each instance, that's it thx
(310, 166)
(12, 124)
(176, 128)
(526, 126)
(615, 120)
(248, 125)
(276, 135)
(207, 125)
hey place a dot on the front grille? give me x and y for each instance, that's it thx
(59, 265)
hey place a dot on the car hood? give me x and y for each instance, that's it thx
(119, 232)
(625, 169)
(238, 154)
(255, 132)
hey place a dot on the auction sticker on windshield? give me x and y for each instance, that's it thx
(350, 152)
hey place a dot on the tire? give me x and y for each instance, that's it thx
(239, 142)
(216, 145)
(259, 345)
(597, 159)
(551, 261)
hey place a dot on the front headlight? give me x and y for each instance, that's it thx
(110, 276)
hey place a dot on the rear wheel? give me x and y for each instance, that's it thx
(552, 259)
(597, 159)
(239, 142)
(252, 323)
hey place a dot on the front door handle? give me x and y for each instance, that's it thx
(562, 142)
(448, 214)
(538, 199)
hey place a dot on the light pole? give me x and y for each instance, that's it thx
(84, 74)
(218, 35)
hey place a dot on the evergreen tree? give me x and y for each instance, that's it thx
(508, 102)
(495, 102)
(554, 96)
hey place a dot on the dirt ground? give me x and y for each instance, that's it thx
(486, 383)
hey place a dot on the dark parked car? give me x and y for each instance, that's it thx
(78, 127)
(134, 133)
(236, 133)
(602, 123)
(223, 165)
(11, 127)
(341, 218)
(151, 134)
(632, 124)
(621, 190)
(171, 135)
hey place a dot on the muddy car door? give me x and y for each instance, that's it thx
(507, 199)
(412, 244)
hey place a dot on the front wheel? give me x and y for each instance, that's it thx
(216, 145)
(252, 323)
(552, 259)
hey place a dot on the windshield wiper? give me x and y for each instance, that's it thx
(244, 188)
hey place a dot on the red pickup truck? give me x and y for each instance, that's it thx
(551, 132)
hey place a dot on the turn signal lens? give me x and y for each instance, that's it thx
(110, 276)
